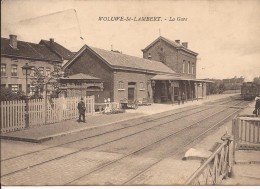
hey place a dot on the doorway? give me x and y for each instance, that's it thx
(131, 94)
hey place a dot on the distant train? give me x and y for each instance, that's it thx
(249, 90)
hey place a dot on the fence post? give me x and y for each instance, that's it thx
(230, 145)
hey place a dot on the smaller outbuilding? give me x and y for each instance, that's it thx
(81, 85)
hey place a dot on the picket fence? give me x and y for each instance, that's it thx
(41, 111)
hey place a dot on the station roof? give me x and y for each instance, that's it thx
(178, 78)
(171, 43)
(121, 61)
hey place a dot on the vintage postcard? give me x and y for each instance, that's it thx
(130, 93)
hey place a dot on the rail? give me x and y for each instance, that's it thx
(217, 167)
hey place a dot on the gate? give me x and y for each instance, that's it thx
(217, 167)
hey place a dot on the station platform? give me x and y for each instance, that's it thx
(39, 134)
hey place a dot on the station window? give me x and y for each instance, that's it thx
(33, 71)
(183, 66)
(48, 72)
(121, 85)
(141, 85)
(14, 87)
(189, 71)
(3, 69)
(14, 70)
(192, 68)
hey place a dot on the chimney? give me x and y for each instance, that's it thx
(178, 41)
(13, 41)
(185, 44)
(51, 42)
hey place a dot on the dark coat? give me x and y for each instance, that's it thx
(81, 107)
(257, 104)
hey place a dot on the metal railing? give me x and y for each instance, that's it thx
(217, 167)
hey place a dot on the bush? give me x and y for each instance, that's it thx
(7, 94)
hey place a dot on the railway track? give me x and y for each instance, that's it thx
(103, 143)
(144, 148)
(120, 138)
(168, 114)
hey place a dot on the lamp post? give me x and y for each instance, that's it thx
(26, 71)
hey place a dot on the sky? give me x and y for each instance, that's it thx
(224, 33)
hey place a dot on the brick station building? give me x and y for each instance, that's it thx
(183, 62)
(166, 72)
(124, 77)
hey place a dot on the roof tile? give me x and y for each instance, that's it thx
(126, 61)
(65, 53)
(28, 50)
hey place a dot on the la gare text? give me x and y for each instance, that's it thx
(143, 19)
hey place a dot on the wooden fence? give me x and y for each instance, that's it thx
(41, 111)
(246, 131)
(217, 167)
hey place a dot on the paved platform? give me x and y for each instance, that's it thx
(39, 134)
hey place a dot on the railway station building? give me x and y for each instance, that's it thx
(160, 79)
(183, 62)
(124, 77)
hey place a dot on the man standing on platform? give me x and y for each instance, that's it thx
(82, 109)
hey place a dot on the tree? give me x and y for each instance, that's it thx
(221, 88)
(256, 80)
(39, 81)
